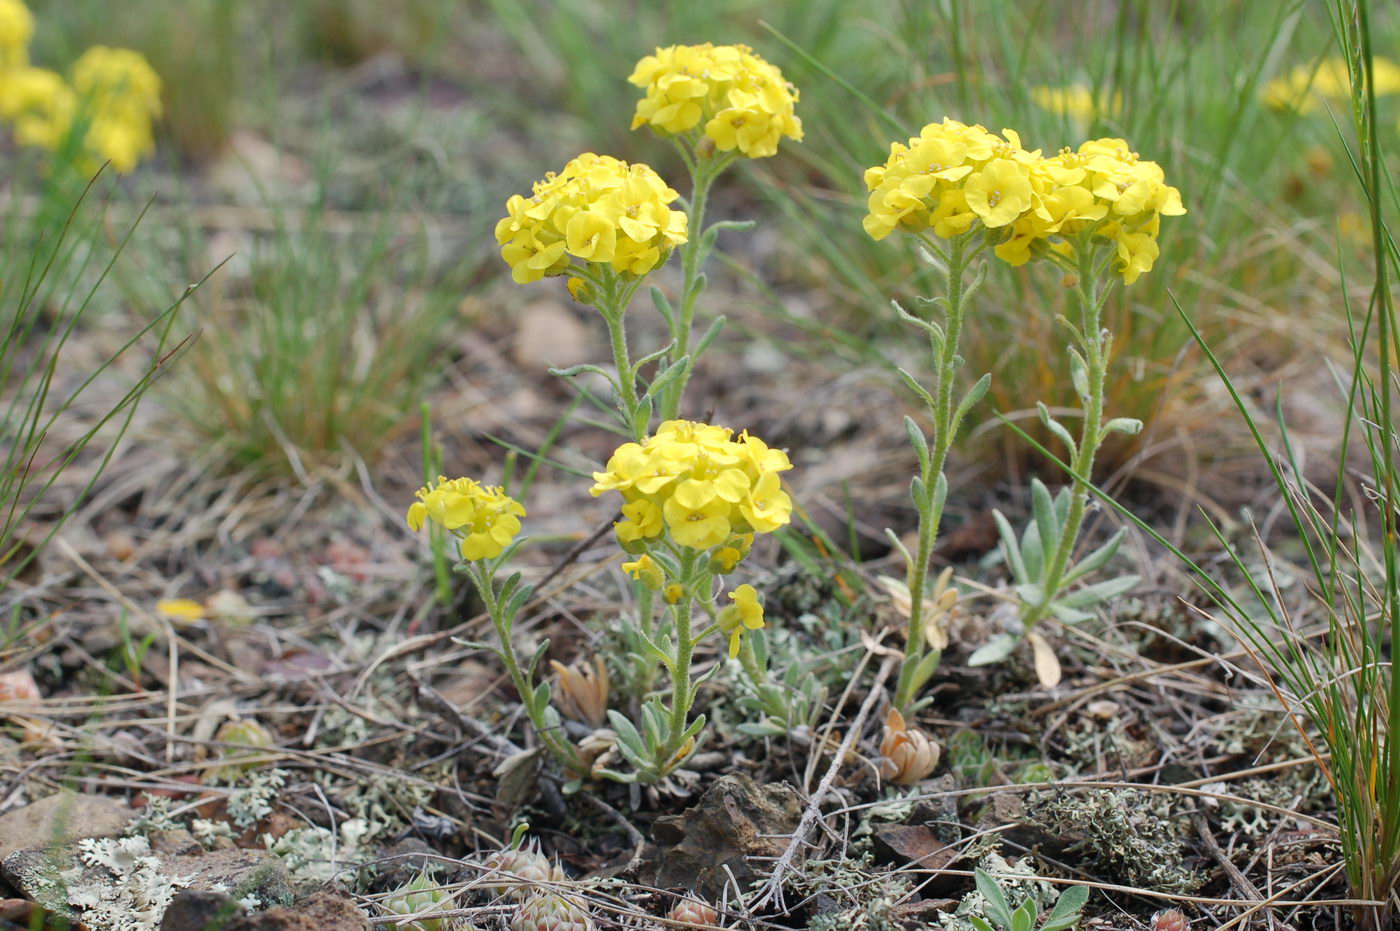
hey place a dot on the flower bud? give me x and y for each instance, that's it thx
(909, 755)
(550, 911)
(693, 912)
(583, 692)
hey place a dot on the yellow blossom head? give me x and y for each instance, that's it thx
(40, 104)
(1308, 87)
(483, 517)
(745, 614)
(700, 484)
(598, 211)
(119, 93)
(947, 178)
(16, 29)
(736, 99)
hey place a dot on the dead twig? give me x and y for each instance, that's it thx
(772, 889)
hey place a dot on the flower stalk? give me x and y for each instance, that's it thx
(930, 489)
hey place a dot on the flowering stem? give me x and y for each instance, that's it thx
(615, 295)
(682, 696)
(1090, 293)
(563, 751)
(703, 170)
(930, 504)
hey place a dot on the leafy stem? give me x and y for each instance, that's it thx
(1089, 373)
(929, 491)
(502, 609)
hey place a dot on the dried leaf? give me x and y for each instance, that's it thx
(1047, 667)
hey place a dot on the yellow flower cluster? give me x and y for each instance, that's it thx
(483, 517)
(953, 175)
(1104, 187)
(16, 29)
(707, 489)
(599, 209)
(120, 95)
(1306, 87)
(743, 101)
(1076, 101)
(948, 177)
(112, 99)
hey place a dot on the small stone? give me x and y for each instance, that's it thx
(735, 820)
(200, 910)
(173, 843)
(120, 546)
(60, 819)
(323, 911)
(549, 335)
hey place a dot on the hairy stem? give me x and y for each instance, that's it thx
(930, 510)
(1089, 295)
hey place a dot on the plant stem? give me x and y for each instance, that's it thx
(562, 750)
(1089, 293)
(681, 696)
(693, 253)
(615, 294)
(931, 510)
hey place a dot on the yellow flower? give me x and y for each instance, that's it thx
(742, 100)
(1076, 101)
(182, 610)
(1307, 87)
(695, 480)
(745, 614)
(999, 193)
(645, 570)
(483, 517)
(120, 96)
(674, 592)
(40, 104)
(599, 210)
(948, 177)
(16, 29)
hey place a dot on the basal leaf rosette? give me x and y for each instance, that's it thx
(1102, 189)
(698, 486)
(725, 93)
(598, 211)
(947, 178)
(484, 518)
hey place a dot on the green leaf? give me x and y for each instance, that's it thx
(997, 908)
(915, 387)
(926, 668)
(1079, 373)
(993, 651)
(1010, 547)
(1032, 553)
(980, 923)
(919, 442)
(1095, 560)
(1098, 592)
(535, 660)
(627, 734)
(1024, 917)
(934, 331)
(576, 370)
(540, 699)
(1057, 428)
(652, 357)
(1069, 615)
(652, 648)
(641, 417)
(974, 394)
(1129, 425)
(716, 327)
(1046, 519)
(739, 225)
(1066, 911)
(667, 375)
(663, 306)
